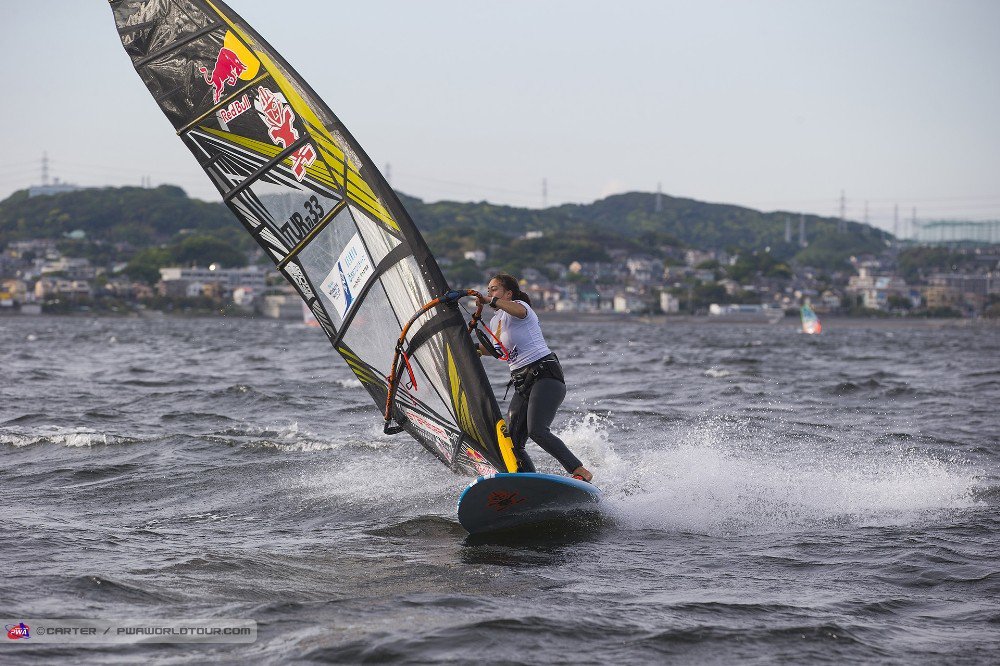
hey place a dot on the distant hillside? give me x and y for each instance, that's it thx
(631, 221)
(137, 216)
(152, 217)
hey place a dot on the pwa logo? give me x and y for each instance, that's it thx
(17, 631)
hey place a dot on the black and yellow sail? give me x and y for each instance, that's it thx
(306, 191)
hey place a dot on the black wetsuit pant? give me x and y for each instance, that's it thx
(532, 417)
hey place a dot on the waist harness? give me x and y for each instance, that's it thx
(524, 378)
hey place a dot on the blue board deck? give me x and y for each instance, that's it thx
(505, 501)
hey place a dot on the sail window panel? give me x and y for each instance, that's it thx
(296, 212)
(378, 241)
(423, 399)
(372, 335)
(287, 209)
(407, 291)
(340, 269)
(373, 331)
(431, 357)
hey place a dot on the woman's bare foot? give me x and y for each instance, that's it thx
(583, 473)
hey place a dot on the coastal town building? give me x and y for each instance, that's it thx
(669, 304)
(14, 291)
(694, 257)
(49, 287)
(960, 290)
(73, 268)
(56, 187)
(33, 272)
(874, 289)
(477, 256)
(211, 282)
(644, 269)
(44, 248)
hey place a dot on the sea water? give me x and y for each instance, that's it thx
(772, 497)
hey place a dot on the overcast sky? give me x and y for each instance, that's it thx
(771, 104)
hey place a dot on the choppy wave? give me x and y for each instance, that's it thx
(60, 436)
(772, 497)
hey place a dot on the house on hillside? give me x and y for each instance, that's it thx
(875, 290)
(49, 287)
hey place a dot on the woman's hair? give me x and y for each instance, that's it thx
(509, 282)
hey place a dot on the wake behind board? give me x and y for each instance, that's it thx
(505, 501)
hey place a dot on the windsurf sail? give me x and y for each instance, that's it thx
(309, 195)
(810, 322)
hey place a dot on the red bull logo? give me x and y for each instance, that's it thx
(481, 465)
(279, 117)
(501, 500)
(227, 70)
(237, 107)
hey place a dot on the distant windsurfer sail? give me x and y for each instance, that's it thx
(810, 322)
(309, 195)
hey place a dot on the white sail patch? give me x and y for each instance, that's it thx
(295, 275)
(274, 245)
(350, 274)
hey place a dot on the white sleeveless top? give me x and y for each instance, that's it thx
(522, 337)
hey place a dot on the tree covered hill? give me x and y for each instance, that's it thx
(631, 221)
(163, 217)
(133, 215)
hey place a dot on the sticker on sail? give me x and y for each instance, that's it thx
(279, 118)
(353, 270)
(234, 61)
(440, 437)
(228, 114)
(482, 466)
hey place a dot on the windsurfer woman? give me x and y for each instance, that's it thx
(539, 386)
